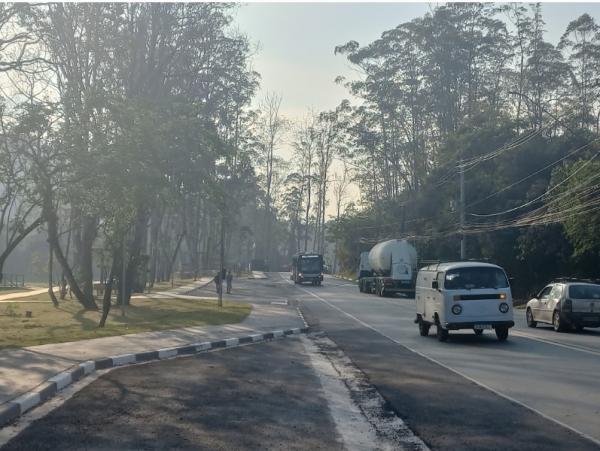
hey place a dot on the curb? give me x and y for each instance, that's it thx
(12, 410)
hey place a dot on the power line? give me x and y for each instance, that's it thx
(510, 210)
(570, 154)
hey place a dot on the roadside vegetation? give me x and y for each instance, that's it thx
(130, 136)
(70, 322)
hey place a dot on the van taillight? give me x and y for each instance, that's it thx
(567, 306)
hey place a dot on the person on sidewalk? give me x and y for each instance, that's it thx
(217, 280)
(229, 281)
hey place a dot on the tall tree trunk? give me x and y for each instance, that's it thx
(86, 268)
(54, 241)
(108, 287)
(135, 253)
(50, 278)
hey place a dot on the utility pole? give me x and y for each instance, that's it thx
(463, 238)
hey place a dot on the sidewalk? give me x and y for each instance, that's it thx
(10, 297)
(23, 369)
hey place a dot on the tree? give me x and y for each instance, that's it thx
(271, 127)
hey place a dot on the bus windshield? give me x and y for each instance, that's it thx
(474, 278)
(310, 265)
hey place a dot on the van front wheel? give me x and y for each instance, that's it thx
(442, 334)
(424, 328)
(502, 333)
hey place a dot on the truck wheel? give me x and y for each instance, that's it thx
(502, 333)
(424, 328)
(441, 333)
(360, 287)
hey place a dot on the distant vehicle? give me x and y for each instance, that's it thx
(258, 264)
(464, 295)
(364, 268)
(566, 305)
(389, 267)
(307, 268)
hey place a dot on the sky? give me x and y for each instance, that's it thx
(296, 41)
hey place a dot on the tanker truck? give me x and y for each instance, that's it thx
(389, 267)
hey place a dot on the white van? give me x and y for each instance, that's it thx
(463, 295)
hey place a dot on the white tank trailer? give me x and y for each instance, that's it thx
(392, 269)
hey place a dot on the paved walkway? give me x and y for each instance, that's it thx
(10, 297)
(25, 368)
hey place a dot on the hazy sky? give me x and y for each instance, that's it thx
(296, 42)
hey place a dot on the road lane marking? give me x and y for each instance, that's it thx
(358, 409)
(579, 348)
(469, 378)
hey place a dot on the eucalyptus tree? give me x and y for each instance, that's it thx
(581, 42)
(269, 134)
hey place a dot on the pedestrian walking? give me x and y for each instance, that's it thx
(229, 281)
(217, 280)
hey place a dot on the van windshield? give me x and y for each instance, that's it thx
(584, 291)
(474, 278)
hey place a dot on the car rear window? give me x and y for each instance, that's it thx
(474, 278)
(584, 291)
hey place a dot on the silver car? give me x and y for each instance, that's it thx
(566, 305)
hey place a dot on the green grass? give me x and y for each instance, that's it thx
(70, 322)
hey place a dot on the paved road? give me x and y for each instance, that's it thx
(256, 397)
(555, 374)
(470, 393)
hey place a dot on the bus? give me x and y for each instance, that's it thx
(307, 268)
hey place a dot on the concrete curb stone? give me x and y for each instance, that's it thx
(10, 411)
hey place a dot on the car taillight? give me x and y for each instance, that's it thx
(567, 306)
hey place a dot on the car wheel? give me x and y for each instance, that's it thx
(424, 328)
(557, 322)
(529, 316)
(478, 331)
(441, 333)
(501, 333)
(579, 328)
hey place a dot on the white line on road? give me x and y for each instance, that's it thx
(518, 333)
(481, 384)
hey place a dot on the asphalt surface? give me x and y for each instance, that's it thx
(537, 391)
(256, 397)
(555, 374)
